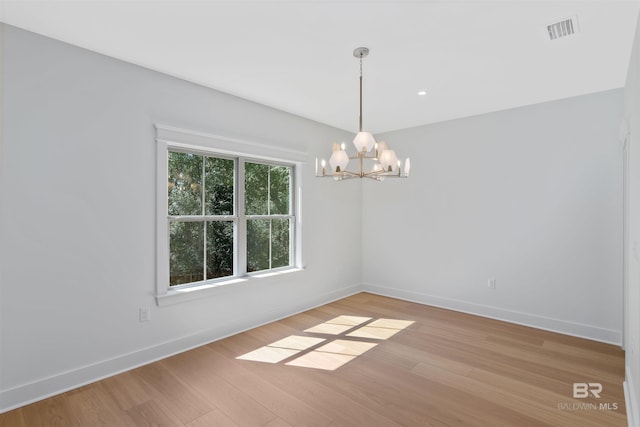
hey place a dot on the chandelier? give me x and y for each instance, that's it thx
(385, 162)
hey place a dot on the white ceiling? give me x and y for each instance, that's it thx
(471, 57)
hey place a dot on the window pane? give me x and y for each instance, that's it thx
(256, 178)
(257, 244)
(186, 252)
(279, 190)
(219, 249)
(218, 186)
(185, 184)
(280, 246)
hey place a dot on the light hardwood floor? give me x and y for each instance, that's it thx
(366, 361)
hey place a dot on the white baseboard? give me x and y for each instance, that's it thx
(631, 402)
(65, 381)
(555, 325)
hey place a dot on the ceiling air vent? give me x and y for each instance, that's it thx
(564, 28)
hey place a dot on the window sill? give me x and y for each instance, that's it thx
(176, 296)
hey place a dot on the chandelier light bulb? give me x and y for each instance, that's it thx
(381, 146)
(364, 141)
(339, 161)
(388, 160)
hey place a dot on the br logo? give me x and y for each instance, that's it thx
(583, 390)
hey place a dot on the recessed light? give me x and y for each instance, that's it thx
(422, 92)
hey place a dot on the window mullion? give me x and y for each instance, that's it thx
(240, 254)
(204, 223)
(197, 218)
(275, 216)
(269, 190)
(204, 248)
(269, 212)
(270, 243)
(293, 229)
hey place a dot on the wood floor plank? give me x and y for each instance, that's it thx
(281, 402)
(413, 400)
(128, 390)
(551, 398)
(545, 411)
(152, 413)
(180, 398)
(55, 411)
(278, 422)
(307, 387)
(492, 356)
(214, 418)
(12, 419)
(444, 369)
(94, 407)
(202, 377)
(584, 351)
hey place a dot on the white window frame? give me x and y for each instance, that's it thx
(170, 138)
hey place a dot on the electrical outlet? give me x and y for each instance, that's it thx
(145, 314)
(491, 284)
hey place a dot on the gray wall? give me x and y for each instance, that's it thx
(632, 303)
(530, 196)
(78, 218)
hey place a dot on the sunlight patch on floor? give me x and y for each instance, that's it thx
(283, 349)
(297, 342)
(354, 332)
(391, 323)
(349, 320)
(268, 354)
(329, 328)
(320, 360)
(373, 333)
(347, 347)
(381, 329)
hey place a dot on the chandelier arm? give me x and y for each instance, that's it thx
(343, 173)
(376, 175)
(363, 156)
(342, 177)
(383, 173)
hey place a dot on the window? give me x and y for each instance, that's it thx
(223, 216)
(201, 217)
(268, 212)
(204, 216)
